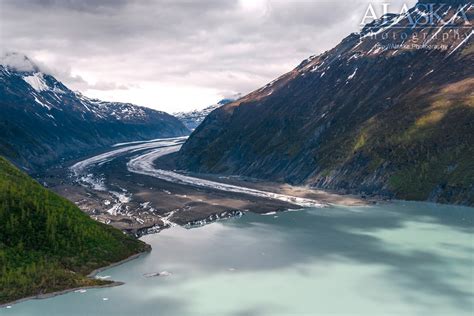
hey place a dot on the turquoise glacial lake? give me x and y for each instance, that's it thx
(400, 258)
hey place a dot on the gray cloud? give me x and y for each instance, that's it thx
(22, 63)
(79, 5)
(16, 62)
(228, 46)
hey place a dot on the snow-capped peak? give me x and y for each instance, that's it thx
(193, 118)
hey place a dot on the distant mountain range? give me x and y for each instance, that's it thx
(43, 121)
(384, 112)
(192, 119)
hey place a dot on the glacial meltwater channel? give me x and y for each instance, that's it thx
(389, 259)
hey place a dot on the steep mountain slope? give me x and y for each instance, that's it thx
(43, 121)
(46, 243)
(384, 112)
(192, 119)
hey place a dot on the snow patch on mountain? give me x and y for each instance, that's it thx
(42, 103)
(36, 81)
(352, 75)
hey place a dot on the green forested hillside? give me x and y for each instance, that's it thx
(46, 243)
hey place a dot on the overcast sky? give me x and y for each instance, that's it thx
(175, 55)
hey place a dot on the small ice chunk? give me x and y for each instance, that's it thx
(165, 273)
(157, 274)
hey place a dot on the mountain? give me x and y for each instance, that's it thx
(43, 121)
(192, 119)
(384, 112)
(47, 244)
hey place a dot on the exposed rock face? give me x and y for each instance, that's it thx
(42, 120)
(384, 112)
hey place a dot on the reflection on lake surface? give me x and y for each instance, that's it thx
(389, 259)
